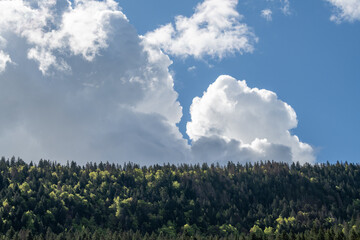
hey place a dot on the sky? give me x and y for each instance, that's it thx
(180, 81)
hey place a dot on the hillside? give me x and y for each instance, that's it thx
(266, 200)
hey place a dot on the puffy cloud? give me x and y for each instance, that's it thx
(214, 29)
(267, 14)
(50, 26)
(348, 10)
(238, 123)
(84, 86)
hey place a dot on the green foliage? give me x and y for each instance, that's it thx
(254, 201)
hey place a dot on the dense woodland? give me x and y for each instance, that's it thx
(266, 200)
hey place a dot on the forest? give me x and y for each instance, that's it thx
(264, 200)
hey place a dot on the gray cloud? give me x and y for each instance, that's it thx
(114, 101)
(216, 149)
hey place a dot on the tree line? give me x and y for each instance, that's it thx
(264, 200)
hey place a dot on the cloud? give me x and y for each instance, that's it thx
(217, 149)
(191, 69)
(79, 28)
(238, 123)
(345, 10)
(285, 7)
(267, 14)
(4, 59)
(213, 30)
(84, 87)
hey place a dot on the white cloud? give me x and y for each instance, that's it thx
(285, 7)
(86, 87)
(78, 28)
(267, 14)
(100, 94)
(213, 30)
(239, 123)
(4, 59)
(348, 10)
(192, 68)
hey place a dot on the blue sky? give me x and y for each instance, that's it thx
(162, 81)
(312, 63)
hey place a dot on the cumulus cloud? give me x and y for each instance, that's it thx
(267, 14)
(213, 30)
(78, 28)
(238, 123)
(345, 10)
(85, 86)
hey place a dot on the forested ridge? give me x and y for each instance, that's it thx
(265, 200)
